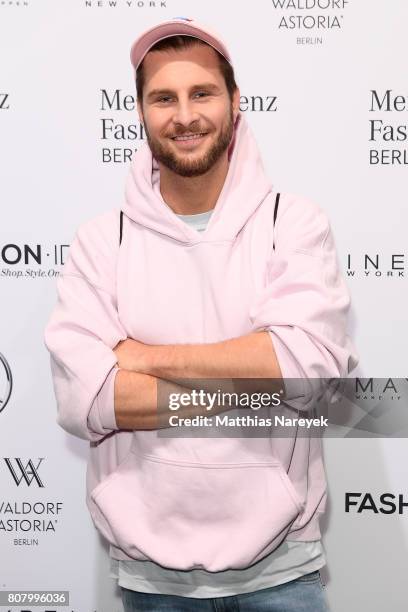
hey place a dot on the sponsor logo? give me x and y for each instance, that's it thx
(31, 260)
(114, 131)
(27, 473)
(263, 104)
(372, 407)
(380, 388)
(308, 17)
(387, 134)
(384, 503)
(22, 519)
(6, 382)
(130, 4)
(376, 265)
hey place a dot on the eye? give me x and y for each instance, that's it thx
(164, 99)
(201, 94)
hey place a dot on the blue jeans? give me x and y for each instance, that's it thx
(305, 594)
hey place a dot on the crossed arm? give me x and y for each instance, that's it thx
(248, 356)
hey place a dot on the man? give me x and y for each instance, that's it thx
(215, 277)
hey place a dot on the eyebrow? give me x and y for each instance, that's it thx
(208, 86)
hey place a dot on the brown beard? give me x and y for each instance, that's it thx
(196, 167)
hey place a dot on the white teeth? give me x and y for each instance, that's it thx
(191, 137)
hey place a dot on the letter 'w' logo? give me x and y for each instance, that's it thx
(29, 472)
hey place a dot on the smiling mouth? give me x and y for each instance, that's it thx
(189, 136)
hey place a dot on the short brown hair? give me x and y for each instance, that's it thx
(178, 42)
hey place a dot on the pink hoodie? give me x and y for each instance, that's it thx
(209, 503)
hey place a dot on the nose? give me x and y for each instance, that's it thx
(185, 113)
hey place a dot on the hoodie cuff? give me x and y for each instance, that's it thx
(292, 374)
(102, 414)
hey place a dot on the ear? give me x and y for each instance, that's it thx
(235, 103)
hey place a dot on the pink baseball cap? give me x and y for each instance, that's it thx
(178, 25)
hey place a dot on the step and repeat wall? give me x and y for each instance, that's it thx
(324, 87)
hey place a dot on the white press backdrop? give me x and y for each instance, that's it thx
(314, 77)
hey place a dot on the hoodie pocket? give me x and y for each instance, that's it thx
(184, 515)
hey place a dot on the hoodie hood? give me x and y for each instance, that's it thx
(245, 187)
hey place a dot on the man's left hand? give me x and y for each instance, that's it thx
(133, 355)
